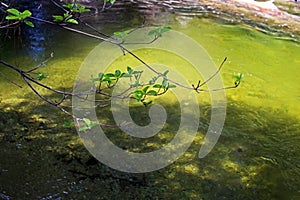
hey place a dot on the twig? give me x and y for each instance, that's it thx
(9, 80)
(41, 64)
(220, 67)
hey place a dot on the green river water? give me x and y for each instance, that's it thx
(256, 157)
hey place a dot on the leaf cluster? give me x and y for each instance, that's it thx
(16, 15)
(238, 77)
(121, 35)
(40, 76)
(66, 17)
(76, 8)
(153, 89)
(141, 91)
(74, 11)
(86, 125)
(159, 31)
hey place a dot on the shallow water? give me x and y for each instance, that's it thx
(257, 155)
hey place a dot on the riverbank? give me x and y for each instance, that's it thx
(278, 17)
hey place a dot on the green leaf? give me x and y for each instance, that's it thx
(89, 124)
(238, 77)
(157, 86)
(138, 94)
(136, 84)
(159, 31)
(99, 78)
(93, 124)
(109, 75)
(83, 128)
(29, 23)
(13, 11)
(83, 9)
(68, 124)
(87, 121)
(172, 86)
(165, 73)
(152, 92)
(164, 83)
(25, 14)
(58, 18)
(100, 75)
(76, 8)
(106, 79)
(11, 17)
(129, 70)
(126, 75)
(145, 89)
(17, 15)
(117, 33)
(146, 104)
(164, 29)
(67, 15)
(72, 21)
(153, 80)
(41, 76)
(69, 6)
(121, 35)
(117, 73)
(153, 31)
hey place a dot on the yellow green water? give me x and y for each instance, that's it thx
(258, 153)
(270, 65)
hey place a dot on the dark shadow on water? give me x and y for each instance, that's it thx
(257, 156)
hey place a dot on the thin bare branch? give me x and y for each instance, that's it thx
(41, 64)
(212, 76)
(9, 80)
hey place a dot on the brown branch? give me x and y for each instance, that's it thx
(220, 67)
(9, 80)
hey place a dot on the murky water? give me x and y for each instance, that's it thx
(257, 155)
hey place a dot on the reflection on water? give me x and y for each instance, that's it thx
(38, 42)
(37, 36)
(35, 40)
(257, 155)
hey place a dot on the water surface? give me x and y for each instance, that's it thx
(257, 155)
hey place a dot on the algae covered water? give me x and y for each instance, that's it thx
(257, 155)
